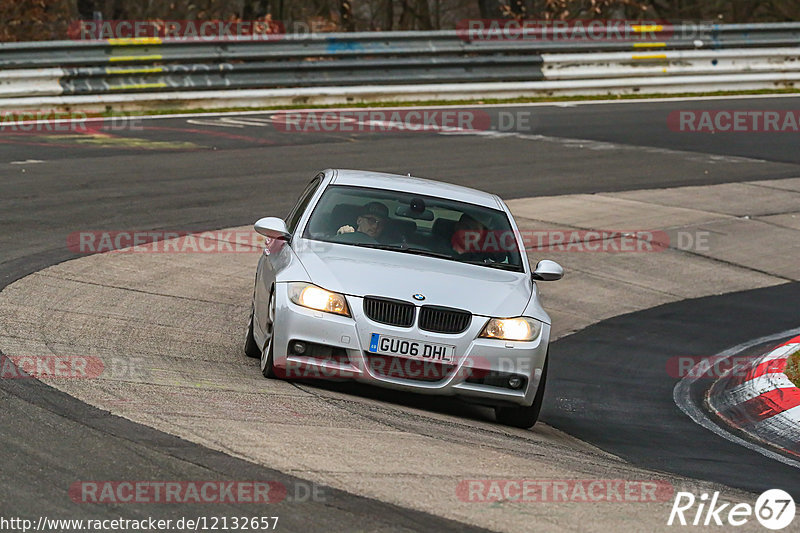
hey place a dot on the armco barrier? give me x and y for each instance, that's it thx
(392, 66)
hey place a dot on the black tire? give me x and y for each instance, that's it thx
(251, 348)
(267, 368)
(524, 417)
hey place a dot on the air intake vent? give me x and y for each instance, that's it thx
(400, 368)
(387, 311)
(443, 319)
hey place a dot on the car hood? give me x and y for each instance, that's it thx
(366, 271)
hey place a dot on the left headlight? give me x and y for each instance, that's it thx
(512, 329)
(313, 297)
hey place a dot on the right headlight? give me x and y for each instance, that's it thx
(512, 329)
(313, 297)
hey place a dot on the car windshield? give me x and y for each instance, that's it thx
(416, 224)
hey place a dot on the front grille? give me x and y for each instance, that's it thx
(443, 319)
(412, 369)
(388, 311)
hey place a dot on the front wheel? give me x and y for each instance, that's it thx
(267, 368)
(524, 417)
(251, 348)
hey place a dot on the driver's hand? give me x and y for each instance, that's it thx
(345, 229)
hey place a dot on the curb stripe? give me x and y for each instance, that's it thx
(795, 340)
(770, 445)
(768, 367)
(759, 399)
(763, 406)
(755, 387)
(782, 429)
(742, 375)
(783, 350)
(771, 363)
(790, 418)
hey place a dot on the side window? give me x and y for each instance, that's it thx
(297, 211)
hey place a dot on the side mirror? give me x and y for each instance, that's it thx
(272, 227)
(547, 270)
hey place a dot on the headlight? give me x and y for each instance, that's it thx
(512, 329)
(314, 297)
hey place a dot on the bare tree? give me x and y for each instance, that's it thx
(491, 9)
(346, 15)
(517, 9)
(50, 19)
(29, 20)
(387, 19)
(788, 10)
(255, 9)
(415, 15)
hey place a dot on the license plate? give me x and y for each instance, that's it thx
(419, 350)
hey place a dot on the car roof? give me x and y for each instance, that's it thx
(396, 182)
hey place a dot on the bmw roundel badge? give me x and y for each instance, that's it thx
(419, 297)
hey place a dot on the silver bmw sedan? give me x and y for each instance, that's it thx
(404, 283)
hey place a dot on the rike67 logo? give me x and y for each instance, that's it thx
(774, 509)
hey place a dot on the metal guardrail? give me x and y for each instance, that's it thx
(761, 54)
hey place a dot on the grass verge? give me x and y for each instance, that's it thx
(792, 370)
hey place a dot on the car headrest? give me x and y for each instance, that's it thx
(444, 228)
(404, 227)
(344, 214)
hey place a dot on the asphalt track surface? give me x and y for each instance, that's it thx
(179, 175)
(614, 375)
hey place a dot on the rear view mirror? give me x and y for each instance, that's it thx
(547, 270)
(272, 227)
(407, 212)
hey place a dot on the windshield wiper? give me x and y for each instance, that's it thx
(405, 248)
(421, 251)
(492, 264)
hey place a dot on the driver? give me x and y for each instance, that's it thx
(467, 234)
(470, 243)
(371, 222)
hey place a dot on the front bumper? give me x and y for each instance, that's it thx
(474, 356)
